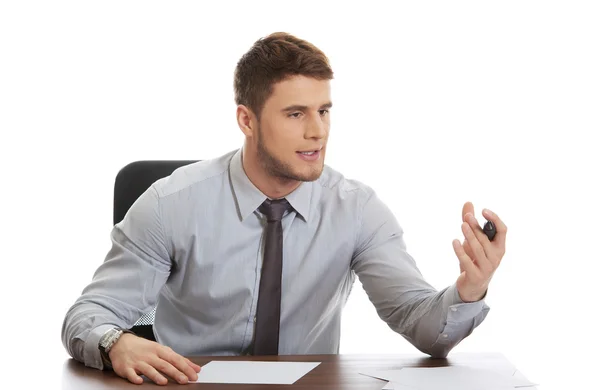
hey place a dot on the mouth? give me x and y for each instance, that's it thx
(309, 155)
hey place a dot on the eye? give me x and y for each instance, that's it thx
(295, 115)
(323, 112)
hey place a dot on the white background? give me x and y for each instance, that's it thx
(436, 103)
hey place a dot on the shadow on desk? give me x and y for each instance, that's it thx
(336, 372)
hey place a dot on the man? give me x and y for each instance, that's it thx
(255, 252)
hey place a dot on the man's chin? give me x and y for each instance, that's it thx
(305, 176)
(312, 176)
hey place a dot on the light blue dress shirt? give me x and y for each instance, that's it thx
(192, 245)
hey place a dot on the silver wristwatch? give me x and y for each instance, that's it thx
(108, 340)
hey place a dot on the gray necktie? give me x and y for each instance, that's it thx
(266, 339)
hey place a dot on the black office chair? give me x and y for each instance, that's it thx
(131, 182)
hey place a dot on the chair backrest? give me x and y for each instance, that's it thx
(131, 182)
(135, 178)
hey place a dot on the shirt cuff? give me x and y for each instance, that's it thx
(91, 352)
(459, 310)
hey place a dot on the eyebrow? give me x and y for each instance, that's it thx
(298, 107)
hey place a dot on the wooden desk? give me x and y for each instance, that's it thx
(335, 372)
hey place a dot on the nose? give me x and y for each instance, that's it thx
(317, 128)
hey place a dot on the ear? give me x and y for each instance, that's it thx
(246, 120)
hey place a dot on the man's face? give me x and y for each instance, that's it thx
(294, 128)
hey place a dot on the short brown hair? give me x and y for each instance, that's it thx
(273, 59)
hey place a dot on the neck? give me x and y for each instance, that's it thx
(272, 186)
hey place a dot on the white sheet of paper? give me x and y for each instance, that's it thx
(398, 386)
(394, 386)
(278, 373)
(455, 378)
(389, 385)
(384, 375)
(500, 366)
(493, 362)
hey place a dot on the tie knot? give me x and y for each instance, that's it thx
(274, 209)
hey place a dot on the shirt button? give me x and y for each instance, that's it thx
(453, 309)
(445, 335)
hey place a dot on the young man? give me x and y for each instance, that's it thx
(255, 252)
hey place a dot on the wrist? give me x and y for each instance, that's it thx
(108, 340)
(472, 296)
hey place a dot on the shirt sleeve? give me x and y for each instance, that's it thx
(125, 286)
(433, 321)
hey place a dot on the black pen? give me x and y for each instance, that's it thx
(490, 230)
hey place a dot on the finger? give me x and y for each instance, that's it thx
(178, 362)
(480, 257)
(465, 261)
(482, 238)
(468, 249)
(193, 365)
(501, 228)
(152, 373)
(168, 369)
(467, 208)
(132, 377)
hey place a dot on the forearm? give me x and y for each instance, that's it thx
(439, 321)
(433, 321)
(124, 288)
(98, 309)
(104, 305)
(82, 328)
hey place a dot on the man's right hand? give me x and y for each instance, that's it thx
(132, 356)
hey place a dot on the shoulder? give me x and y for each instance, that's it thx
(196, 176)
(353, 196)
(334, 183)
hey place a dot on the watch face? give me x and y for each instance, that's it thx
(105, 339)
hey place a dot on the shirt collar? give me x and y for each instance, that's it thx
(249, 198)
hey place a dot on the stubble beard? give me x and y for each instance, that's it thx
(280, 169)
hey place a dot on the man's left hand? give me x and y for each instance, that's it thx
(478, 256)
